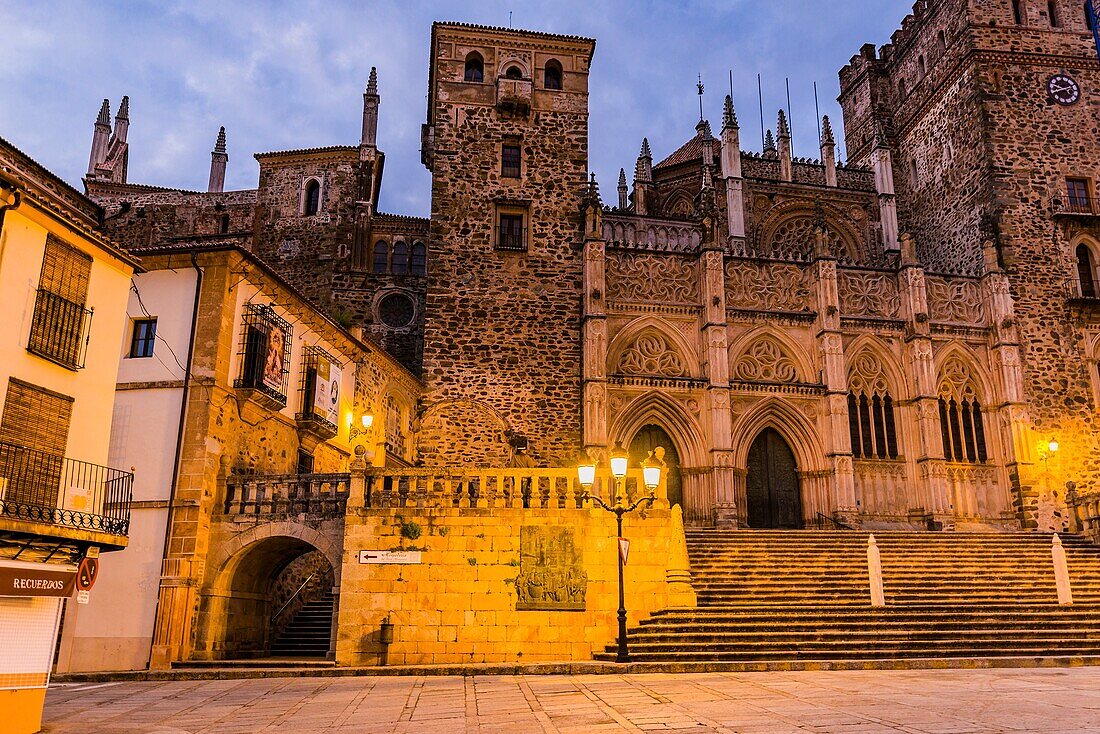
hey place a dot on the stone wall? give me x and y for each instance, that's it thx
(459, 604)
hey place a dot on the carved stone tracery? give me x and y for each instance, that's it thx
(955, 300)
(766, 361)
(651, 278)
(651, 355)
(868, 294)
(766, 287)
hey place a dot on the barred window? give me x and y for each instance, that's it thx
(265, 352)
(319, 391)
(61, 319)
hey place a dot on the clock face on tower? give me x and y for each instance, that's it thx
(1063, 89)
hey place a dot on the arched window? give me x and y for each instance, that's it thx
(551, 77)
(1052, 13)
(962, 429)
(400, 258)
(871, 421)
(1017, 13)
(942, 38)
(923, 66)
(223, 224)
(419, 262)
(1086, 271)
(312, 202)
(381, 257)
(513, 72)
(475, 68)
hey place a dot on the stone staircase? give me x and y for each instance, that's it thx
(805, 595)
(308, 633)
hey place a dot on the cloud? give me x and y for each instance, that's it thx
(290, 74)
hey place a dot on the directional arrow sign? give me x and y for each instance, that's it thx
(380, 556)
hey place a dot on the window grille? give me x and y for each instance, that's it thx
(511, 234)
(319, 388)
(264, 352)
(143, 338)
(61, 321)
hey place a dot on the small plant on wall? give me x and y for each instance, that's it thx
(410, 530)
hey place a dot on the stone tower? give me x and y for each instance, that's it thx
(507, 144)
(985, 112)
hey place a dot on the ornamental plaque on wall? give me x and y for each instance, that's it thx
(551, 571)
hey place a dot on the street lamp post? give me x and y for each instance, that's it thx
(651, 477)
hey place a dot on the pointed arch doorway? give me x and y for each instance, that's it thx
(648, 438)
(774, 495)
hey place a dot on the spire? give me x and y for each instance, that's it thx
(782, 129)
(122, 120)
(104, 114)
(643, 170)
(372, 81)
(123, 109)
(703, 128)
(729, 117)
(218, 160)
(769, 144)
(369, 138)
(827, 132)
(624, 202)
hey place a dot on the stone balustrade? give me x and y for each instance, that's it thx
(547, 489)
(630, 232)
(266, 496)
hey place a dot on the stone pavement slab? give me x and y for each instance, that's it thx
(1051, 701)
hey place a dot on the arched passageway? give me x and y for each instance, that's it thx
(275, 597)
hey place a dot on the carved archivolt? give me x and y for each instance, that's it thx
(788, 233)
(868, 294)
(765, 361)
(954, 300)
(866, 376)
(651, 355)
(652, 278)
(766, 287)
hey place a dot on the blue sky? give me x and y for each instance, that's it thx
(290, 74)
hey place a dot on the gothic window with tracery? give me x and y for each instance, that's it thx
(766, 361)
(871, 411)
(651, 355)
(962, 429)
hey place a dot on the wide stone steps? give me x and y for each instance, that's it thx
(805, 595)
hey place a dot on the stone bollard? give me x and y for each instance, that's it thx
(1061, 572)
(874, 571)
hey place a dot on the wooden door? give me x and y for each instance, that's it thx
(649, 438)
(774, 496)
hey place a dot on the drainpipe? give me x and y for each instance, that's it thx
(182, 424)
(15, 203)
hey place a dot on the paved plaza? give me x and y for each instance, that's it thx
(923, 701)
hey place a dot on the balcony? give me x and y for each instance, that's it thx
(287, 495)
(511, 239)
(1083, 293)
(514, 96)
(52, 496)
(1076, 206)
(58, 330)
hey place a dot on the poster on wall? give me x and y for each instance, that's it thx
(273, 360)
(326, 392)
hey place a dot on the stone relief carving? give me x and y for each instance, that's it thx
(868, 294)
(768, 287)
(955, 301)
(865, 375)
(956, 381)
(765, 361)
(652, 278)
(551, 571)
(650, 354)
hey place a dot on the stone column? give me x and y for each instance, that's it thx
(834, 375)
(713, 294)
(932, 473)
(594, 333)
(731, 173)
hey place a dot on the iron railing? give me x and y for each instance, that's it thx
(826, 520)
(509, 238)
(36, 486)
(58, 329)
(287, 494)
(1079, 205)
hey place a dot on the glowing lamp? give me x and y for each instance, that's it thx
(619, 460)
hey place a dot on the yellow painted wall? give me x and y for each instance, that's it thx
(22, 710)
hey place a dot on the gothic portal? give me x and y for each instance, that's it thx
(774, 498)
